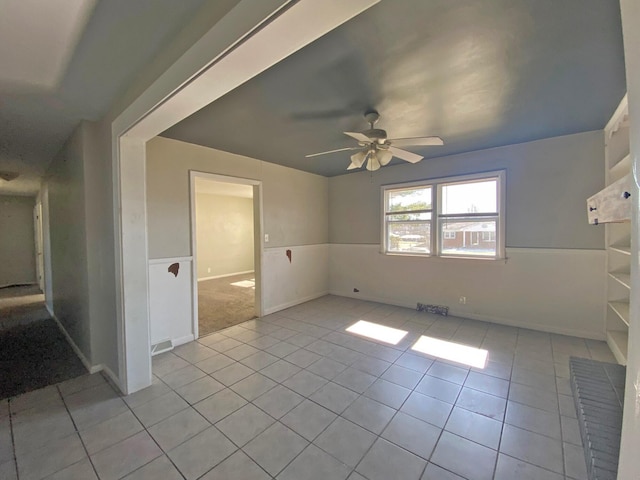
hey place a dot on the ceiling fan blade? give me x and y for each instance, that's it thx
(405, 155)
(418, 141)
(384, 157)
(332, 151)
(361, 137)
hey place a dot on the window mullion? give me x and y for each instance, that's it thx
(435, 229)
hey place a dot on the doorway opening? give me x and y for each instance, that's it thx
(225, 219)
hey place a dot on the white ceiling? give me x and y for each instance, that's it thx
(64, 61)
(37, 40)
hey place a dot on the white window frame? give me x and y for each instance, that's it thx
(449, 235)
(437, 216)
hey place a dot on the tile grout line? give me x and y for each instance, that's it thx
(504, 419)
(146, 430)
(13, 440)
(361, 394)
(77, 432)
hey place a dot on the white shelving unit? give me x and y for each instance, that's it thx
(618, 237)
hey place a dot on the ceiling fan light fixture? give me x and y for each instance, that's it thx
(384, 157)
(357, 159)
(373, 163)
(378, 150)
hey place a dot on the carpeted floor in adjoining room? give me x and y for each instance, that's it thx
(226, 301)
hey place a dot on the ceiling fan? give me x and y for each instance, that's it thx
(376, 150)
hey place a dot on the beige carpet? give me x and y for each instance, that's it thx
(222, 304)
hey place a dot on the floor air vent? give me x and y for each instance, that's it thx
(598, 392)
(161, 347)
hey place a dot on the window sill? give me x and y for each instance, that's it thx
(443, 257)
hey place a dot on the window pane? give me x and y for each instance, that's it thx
(412, 237)
(400, 217)
(472, 197)
(468, 237)
(418, 198)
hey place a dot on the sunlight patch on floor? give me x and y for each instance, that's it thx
(377, 332)
(456, 352)
(245, 283)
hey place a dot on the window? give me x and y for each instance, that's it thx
(488, 236)
(408, 220)
(448, 217)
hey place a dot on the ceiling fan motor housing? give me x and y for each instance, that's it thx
(376, 134)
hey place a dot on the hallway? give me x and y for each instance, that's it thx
(21, 305)
(33, 351)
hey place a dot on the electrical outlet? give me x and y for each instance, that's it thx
(463, 300)
(266, 238)
(209, 270)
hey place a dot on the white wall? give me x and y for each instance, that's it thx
(629, 459)
(224, 234)
(554, 290)
(170, 305)
(547, 182)
(553, 278)
(294, 202)
(294, 211)
(65, 186)
(17, 241)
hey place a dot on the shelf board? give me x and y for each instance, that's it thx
(618, 342)
(624, 249)
(620, 168)
(622, 278)
(622, 310)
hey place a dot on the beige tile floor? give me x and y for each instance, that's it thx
(293, 396)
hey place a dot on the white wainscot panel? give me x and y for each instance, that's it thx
(171, 301)
(560, 291)
(288, 283)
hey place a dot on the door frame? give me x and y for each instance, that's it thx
(252, 37)
(257, 237)
(39, 240)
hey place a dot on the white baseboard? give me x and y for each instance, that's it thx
(182, 340)
(26, 284)
(225, 275)
(87, 364)
(90, 368)
(483, 318)
(533, 326)
(112, 376)
(277, 308)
